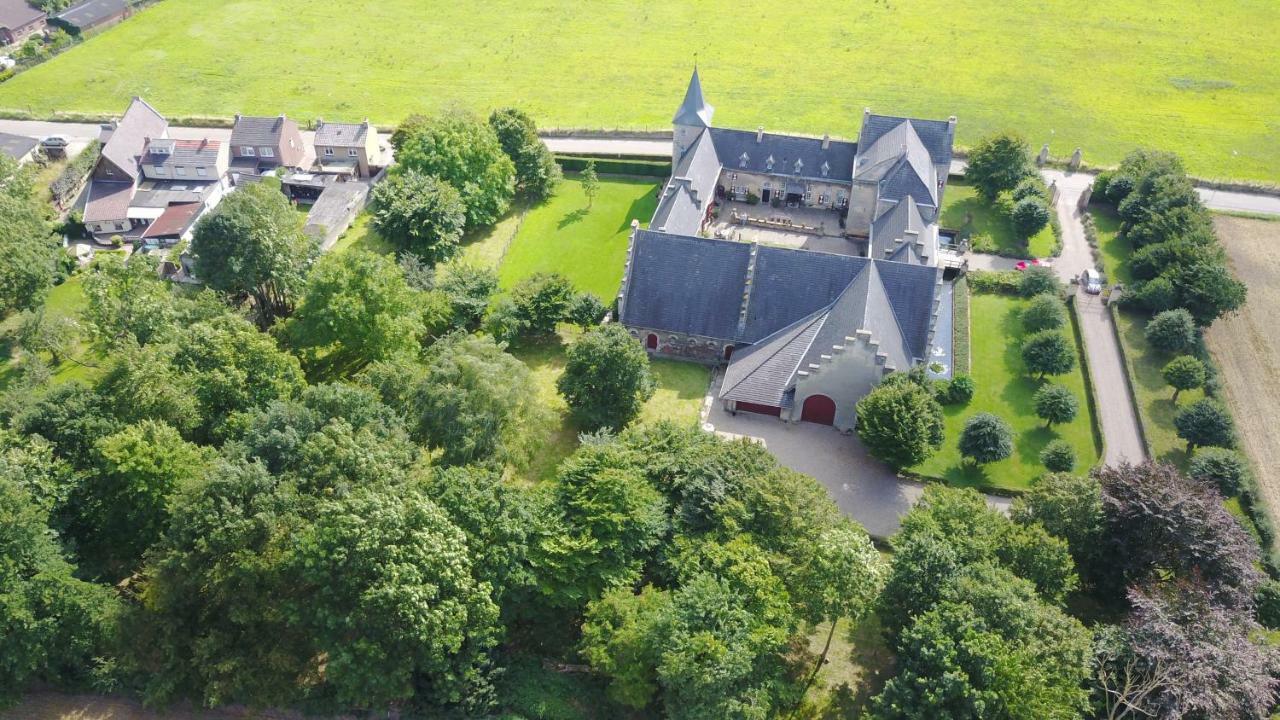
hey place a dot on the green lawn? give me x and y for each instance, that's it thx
(362, 235)
(1103, 77)
(1004, 388)
(964, 210)
(1115, 249)
(587, 246)
(681, 388)
(64, 301)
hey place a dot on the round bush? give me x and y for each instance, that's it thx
(959, 390)
(1221, 467)
(1172, 331)
(1055, 404)
(1045, 312)
(1119, 187)
(986, 438)
(1267, 603)
(1032, 187)
(1030, 215)
(1038, 280)
(1058, 456)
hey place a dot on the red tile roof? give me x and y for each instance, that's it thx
(174, 221)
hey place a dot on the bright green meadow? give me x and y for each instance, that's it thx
(1005, 389)
(1198, 78)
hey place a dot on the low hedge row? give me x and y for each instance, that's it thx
(66, 186)
(960, 327)
(611, 166)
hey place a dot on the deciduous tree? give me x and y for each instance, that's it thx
(463, 151)
(1058, 456)
(1220, 468)
(1172, 331)
(420, 214)
(900, 423)
(1183, 373)
(998, 163)
(1044, 312)
(606, 378)
(1055, 404)
(1205, 422)
(1048, 352)
(590, 182)
(537, 173)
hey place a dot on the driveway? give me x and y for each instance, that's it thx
(1122, 438)
(863, 488)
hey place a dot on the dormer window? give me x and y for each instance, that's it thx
(768, 164)
(799, 165)
(743, 159)
(826, 168)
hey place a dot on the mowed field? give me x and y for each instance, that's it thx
(1198, 78)
(1246, 347)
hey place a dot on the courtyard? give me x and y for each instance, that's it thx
(804, 228)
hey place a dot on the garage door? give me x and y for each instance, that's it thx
(761, 409)
(819, 409)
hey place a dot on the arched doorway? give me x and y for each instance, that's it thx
(728, 352)
(819, 409)
(651, 342)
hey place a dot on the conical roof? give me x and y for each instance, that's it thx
(694, 111)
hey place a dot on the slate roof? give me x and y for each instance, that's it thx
(731, 145)
(694, 111)
(762, 372)
(342, 134)
(16, 13)
(92, 13)
(140, 123)
(895, 224)
(182, 152)
(936, 135)
(107, 200)
(690, 190)
(685, 284)
(17, 146)
(788, 284)
(258, 131)
(163, 193)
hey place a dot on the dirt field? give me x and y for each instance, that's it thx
(1246, 347)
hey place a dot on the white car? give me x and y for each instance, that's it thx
(1091, 281)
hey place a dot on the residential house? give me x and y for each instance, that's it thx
(19, 21)
(347, 148)
(92, 15)
(18, 147)
(259, 145)
(119, 171)
(182, 179)
(803, 333)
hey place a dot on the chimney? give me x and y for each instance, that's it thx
(866, 112)
(826, 142)
(365, 124)
(237, 117)
(759, 133)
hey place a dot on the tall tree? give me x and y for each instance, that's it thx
(420, 214)
(1173, 331)
(1055, 404)
(252, 245)
(900, 423)
(463, 151)
(1048, 352)
(590, 182)
(998, 163)
(357, 309)
(1205, 422)
(1069, 507)
(27, 243)
(606, 378)
(537, 173)
(986, 438)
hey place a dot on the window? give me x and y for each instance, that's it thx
(768, 164)
(826, 168)
(743, 159)
(351, 152)
(823, 199)
(799, 165)
(119, 226)
(247, 151)
(161, 170)
(266, 152)
(328, 151)
(180, 171)
(202, 172)
(808, 196)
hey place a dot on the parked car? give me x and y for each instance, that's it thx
(1091, 281)
(59, 142)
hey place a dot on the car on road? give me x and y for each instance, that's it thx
(56, 141)
(1091, 281)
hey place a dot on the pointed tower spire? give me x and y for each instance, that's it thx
(694, 111)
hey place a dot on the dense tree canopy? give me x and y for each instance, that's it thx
(1173, 331)
(420, 214)
(357, 309)
(463, 151)
(1048, 352)
(998, 163)
(986, 438)
(900, 423)
(252, 246)
(1183, 373)
(1055, 404)
(27, 243)
(606, 378)
(1205, 422)
(537, 173)
(1044, 312)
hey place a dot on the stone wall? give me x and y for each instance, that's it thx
(679, 345)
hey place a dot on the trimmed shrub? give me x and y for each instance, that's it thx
(986, 438)
(1058, 456)
(1044, 312)
(1030, 215)
(1220, 467)
(958, 391)
(1055, 404)
(1037, 280)
(1172, 331)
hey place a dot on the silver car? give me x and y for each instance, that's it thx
(1091, 281)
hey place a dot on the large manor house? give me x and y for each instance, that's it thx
(809, 266)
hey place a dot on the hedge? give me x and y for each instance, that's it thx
(67, 185)
(960, 327)
(609, 166)
(1008, 282)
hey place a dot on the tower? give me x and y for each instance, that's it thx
(691, 119)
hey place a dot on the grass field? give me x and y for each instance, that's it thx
(1005, 389)
(1106, 77)
(588, 246)
(964, 210)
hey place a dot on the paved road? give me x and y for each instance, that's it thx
(1215, 199)
(1122, 436)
